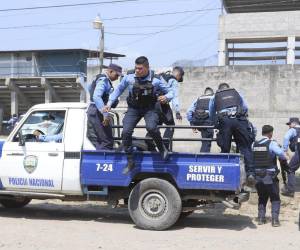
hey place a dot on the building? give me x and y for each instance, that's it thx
(259, 32)
(29, 77)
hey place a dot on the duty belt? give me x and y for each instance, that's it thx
(231, 112)
(263, 172)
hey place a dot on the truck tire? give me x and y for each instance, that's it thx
(154, 204)
(15, 203)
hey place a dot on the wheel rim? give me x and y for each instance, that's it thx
(154, 204)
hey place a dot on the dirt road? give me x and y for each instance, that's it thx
(58, 225)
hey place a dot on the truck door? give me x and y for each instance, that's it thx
(36, 162)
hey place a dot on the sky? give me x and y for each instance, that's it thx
(163, 39)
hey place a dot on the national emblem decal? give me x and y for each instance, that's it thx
(30, 163)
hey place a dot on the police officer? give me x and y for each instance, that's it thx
(198, 115)
(141, 101)
(12, 122)
(265, 152)
(228, 110)
(291, 140)
(99, 127)
(171, 81)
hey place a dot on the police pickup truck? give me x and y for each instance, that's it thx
(64, 165)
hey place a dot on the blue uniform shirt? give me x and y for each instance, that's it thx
(50, 138)
(212, 108)
(103, 86)
(290, 134)
(173, 85)
(128, 82)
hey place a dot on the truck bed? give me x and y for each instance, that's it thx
(204, 171)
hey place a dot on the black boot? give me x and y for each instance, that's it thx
(275, 222)
(275, 213)
(251, 180)
(130, 164)
(163, 151)
(286, 192)
(261, 214)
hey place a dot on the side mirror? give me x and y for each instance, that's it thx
(21, 139)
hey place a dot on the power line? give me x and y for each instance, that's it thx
(171, 28)
(67, 5)
(111, 19)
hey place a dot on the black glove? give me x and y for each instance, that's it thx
(178, 116)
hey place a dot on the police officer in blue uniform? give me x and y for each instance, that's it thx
(228, 110)
(141, 101)
(99, 126)
(265, 153)
(171, 80)
(291, 140)
(198, 115)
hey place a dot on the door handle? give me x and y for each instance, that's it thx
(53, 154)
(16, 154)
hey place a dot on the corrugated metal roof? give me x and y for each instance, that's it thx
(93, 53)
(243, 6)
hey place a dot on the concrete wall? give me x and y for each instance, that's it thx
(271, 91)
(259, 25)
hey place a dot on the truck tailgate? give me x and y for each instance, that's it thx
(189, 171)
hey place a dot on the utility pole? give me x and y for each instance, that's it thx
(98, 24)
(101, 47)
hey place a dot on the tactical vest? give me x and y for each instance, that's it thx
(167, 76)
(202, 106)
(294, 141)
(105, 96)
(261, 155)
(227, 98)
(143, 94)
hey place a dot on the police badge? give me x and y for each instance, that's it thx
(30, 163)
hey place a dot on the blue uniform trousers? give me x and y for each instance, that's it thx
(165, 117)
(132, 118)
(239, 129)
(268, 190)
(100, 136)
(205, 133)
(294, 164)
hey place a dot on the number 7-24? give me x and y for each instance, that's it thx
(105, 167)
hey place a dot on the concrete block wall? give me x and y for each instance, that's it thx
(259, 25)
(271, 91)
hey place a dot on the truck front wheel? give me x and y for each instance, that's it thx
(18, 202)
(154, 204)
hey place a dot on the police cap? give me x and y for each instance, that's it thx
(116, 68)
(293, 119)
(266, 129)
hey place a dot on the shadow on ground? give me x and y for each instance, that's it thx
(91, 212)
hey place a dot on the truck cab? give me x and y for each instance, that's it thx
(62, 163)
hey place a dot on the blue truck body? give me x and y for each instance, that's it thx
(188, 171)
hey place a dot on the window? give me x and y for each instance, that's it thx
(48, 124)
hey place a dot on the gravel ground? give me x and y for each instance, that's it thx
(74, 225)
